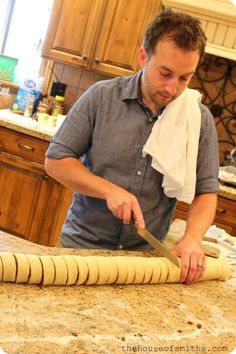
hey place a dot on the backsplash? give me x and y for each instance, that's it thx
(215, 79)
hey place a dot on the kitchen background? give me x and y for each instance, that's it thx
(91, 40)
(215, 77)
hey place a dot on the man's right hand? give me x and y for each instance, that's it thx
(125, 206)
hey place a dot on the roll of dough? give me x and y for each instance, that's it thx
(70, 270)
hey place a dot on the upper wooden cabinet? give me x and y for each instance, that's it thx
(103, 35)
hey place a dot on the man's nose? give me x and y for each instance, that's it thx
(172, 87)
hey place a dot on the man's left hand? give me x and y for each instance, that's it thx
(193, 260)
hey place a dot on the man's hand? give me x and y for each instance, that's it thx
(193, 260)
(125, 206)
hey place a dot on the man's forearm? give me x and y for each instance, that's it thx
(74, 175)
(200, 216)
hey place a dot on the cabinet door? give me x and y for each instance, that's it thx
(121, 34)
(23, 189)
(72, 27)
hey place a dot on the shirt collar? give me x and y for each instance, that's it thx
(131, 88)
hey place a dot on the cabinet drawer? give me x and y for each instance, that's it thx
(23, 145)
(226, 211)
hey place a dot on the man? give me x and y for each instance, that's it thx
(115, 183)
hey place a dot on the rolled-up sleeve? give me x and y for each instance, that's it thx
(74, 136)
(208, 158)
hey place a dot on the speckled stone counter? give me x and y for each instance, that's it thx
(23, 125)
(114, 319)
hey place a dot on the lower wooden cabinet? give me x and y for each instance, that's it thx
(32, 205)
(225, 217)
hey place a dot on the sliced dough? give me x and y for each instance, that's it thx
(148, 270)
(8, 267)
(122, 270)
(60, 270)
(156, 271)
(131, 270)
(1, 270)
(139, 270)
(113, 271)
(23, 268)
(83, 269)
(103, 269)
(163, 268)
(72, 269)
(92, 270)
(36, 269)
(173, 271)
(48, 270)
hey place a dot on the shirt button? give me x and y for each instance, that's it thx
(150, 120)
(120, 247)
(139, 173)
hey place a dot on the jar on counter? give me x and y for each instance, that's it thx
(58, 107)
(30, 103)
(44, 106)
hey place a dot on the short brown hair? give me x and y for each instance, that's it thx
(183, 30)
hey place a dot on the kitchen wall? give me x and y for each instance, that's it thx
(215, 79)
(78, 80)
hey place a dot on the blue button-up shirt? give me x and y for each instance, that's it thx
(108, 126)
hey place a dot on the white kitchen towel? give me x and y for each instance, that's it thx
(173, 145)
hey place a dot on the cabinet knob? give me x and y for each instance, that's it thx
(97, 61)
(84, 57)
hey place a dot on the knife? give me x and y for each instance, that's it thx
(163, 251)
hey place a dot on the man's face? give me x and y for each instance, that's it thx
(166, 73)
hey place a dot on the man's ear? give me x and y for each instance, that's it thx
(142, 57)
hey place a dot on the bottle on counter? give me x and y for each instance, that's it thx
(29, 107)
(44, 106)
(58, 106)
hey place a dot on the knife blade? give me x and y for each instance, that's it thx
(163, 251)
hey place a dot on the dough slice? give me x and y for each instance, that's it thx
(113, 271)
(92, 270)
(8, 267)
(23, 268)
(122, 270)
(60, 270)
(173, 271)
(163, 268)
(139, 270)
(36, 270)
(82, 270)
(156, 271)
(103, 269)
(72, 269)
(48, 270)
(1, 269)
(148, 269)
(131, 270)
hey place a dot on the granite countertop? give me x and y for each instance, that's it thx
(24, 125)
(114, 319)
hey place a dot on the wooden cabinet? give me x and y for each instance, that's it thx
(32, 205)
(225, 217)
(103, 35)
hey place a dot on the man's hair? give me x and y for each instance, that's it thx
(181, 29)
